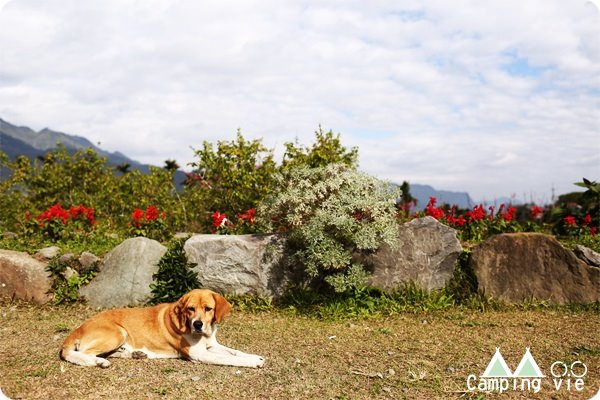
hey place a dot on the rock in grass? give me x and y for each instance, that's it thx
(66, 258)
(87, 259)
(24, 278)
(48, 252)
(515, 267)
(126, 274)
(69, 272)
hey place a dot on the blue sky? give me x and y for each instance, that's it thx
(496, 98)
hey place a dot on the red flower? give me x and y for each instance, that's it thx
(432, 210)
(536, 211)
(570, 220)
(137, 215)
(510, 214)
(459, 221)
(152, 213)
(586, 220)
(218, 219)
(593, 230)
(249, 216)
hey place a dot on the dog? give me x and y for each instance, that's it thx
(185, 329)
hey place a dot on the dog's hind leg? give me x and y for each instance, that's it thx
(85, 348)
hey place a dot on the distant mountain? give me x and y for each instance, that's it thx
(461, 199)
(21, 140)
(13, 147)
(423, 192)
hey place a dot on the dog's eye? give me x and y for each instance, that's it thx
(207, 309)
(192, 309)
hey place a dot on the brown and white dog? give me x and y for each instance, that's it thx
(184, 329)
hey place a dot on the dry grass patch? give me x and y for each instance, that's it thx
(411, 356)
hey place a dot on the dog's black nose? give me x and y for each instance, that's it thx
(198, 325)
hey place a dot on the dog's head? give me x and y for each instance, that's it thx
(198, 311)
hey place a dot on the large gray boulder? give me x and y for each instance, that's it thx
(239, 264)
(426, 255)
(520, 266)
(126, 274)
(24, 278)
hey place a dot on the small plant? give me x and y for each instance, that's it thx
(175, 276)
(150, 223)
(330, 214)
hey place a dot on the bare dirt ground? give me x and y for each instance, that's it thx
(408, 356)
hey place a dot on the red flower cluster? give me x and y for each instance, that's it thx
(248, 216)
(536, 212)
(432, 210)
(570, 220)
(510, 214)
(459, 221)
(219, 219)
(83, 212)
(139, 216)
(586, 220)
(57, 212)
(477, 214)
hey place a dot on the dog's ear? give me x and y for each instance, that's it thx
(222, 307)
(182, 314)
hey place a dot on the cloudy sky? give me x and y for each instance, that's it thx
(490, 97)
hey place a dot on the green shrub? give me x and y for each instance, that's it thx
(174, 277)
(330, 214)
(232, 179)
(66, 289)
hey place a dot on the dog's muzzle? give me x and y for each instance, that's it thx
(197, 326)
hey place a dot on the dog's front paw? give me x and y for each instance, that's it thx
(260, 361)
(102, 362)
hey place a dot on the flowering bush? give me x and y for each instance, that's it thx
(330, 214)
(57, 222)
(150, 223)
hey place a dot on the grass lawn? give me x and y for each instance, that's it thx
(412, 356)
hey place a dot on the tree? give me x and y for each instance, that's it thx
(171, 165)
(234, 178)
(326, 150)
(407, 201)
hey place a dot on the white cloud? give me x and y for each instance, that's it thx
(424, 89)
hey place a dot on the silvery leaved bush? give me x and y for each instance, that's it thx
(329, 215)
